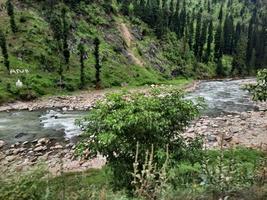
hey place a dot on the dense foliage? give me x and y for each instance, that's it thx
(116, 125)
(259, 90)
(238, 26)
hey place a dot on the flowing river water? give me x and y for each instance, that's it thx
(220, 96)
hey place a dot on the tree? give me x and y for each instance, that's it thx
(228, 32)
(65, 33)
(198, 35)
(97, 63)
(239, 59)
(209, 42)
(10, 12)
(219, 68)
(191, 33)
(218, 43)
(250, 44)
(220, 17)
(203, 39)
(82, 54)
(4, 50)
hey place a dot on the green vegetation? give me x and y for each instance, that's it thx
(115, 126)
(185, 181)
(4, 50)
(142, 42)
(259, 90)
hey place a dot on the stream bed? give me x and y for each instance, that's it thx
(17, 126)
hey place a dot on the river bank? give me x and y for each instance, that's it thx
(80, 102)
(246, 128)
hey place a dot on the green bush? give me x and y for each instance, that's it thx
(115, 125)
(259, 91)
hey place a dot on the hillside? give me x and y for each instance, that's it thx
(132, 52)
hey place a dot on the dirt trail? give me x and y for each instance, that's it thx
(128, 39)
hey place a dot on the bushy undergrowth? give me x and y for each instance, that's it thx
(259, 90)
(183, 181)
(116, 125)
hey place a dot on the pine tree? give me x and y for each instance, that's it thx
(219, 68)
(82, 76)
(203, 39)
(182, 19)
(198, 35)
(4, 50)
(10, 12)
(220, 17)
(250, 43)
(228, 32)
(191, 33)
(218, 44)
(97, 63)
(236, 36)
(65, 33)
(239, 59)
(209, 42)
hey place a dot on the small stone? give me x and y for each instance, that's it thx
(228, 137)
(43, 141)
(212, 138)
(25, 143)
(40, 148)
(2, 144)
(10, 158)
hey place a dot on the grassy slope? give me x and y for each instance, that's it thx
(32, 48)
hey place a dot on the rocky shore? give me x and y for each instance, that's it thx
(82, 101)
(247, 129)
(58, 157)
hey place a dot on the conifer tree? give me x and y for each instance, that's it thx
(182, 19)
(228, 31)
(82, 76)
(203, 39)
(10, 12)
(218, 43)
(219, 68)
(236, 36)
(4, 50)
(198, 35)
(220, 17)
(65, 33)
(250, 43)
(97, 63)
(239, 59)
(209, 42)
(191, 33)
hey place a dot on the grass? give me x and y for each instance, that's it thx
(95, 184)
(32, 48)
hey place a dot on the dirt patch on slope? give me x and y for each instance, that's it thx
(128, 41)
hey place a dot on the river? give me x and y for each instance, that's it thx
(220, 96)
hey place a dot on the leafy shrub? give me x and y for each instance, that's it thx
(259, 91)
(116, 124)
